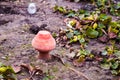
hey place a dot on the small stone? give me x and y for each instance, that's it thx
(32, 8)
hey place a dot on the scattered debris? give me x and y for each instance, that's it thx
(32, 70)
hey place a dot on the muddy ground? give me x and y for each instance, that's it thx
(15, 41)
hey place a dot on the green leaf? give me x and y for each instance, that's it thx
(115, 65)
(81, 16)
(72, 23)
(1, 64)
(84, 52)
(114, 30)
(62, 10)
(119, 35)
(113, 24)
(54, 34)
(79, 37)
(75, 39)
(71, 15)
(10, 69)
(95, 25)
(105, 66)
(101, 3)
(1, 76)
(7, 72)
(76, 32)
(117, 54)
(46, 78)
(81, 58)
(115, 72)
(55, 8)
(82, 40)
(105, 19)
(100, 25)
(91, 33)
(11, 76)
(71, 40)
(3, 69)
(100, 32)
(69, 35)
(118, 5)
(81, 11)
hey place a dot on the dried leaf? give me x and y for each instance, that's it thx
(112, 35)
(67, 46)
(32, 70)
(78, 25)
(78, 64)
(64, 38)
(83, 22)
(25, 66)
(16, 68)
(59, 59)
(103, 38)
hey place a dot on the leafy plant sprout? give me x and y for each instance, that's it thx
(83, 26)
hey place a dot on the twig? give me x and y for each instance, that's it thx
(104, 31)
(79, 73)
(59, 58)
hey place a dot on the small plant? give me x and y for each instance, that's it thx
(6, 72)
(83, 26)
(105, 6)
(84, 55)
(109, 6)
(89, 25)
(48, 76)
(112, 61)
(108, 59)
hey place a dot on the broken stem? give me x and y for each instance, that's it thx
(104, 31)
